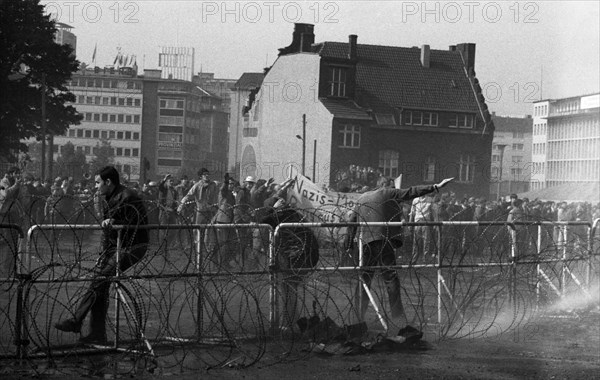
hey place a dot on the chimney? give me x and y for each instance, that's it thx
(452, 48)
(302, 39)
(352, 53)
(425, 55)
(467, 52)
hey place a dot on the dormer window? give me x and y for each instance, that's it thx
(385, 119)
(337, 83)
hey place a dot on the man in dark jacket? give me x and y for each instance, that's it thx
(296, 249)
(168, 202)
(379, 242)
(123, 207)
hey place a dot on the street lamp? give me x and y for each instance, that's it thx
(303, 138)
(501, 147)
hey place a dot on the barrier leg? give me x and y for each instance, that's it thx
(273, 301)
(200, 303)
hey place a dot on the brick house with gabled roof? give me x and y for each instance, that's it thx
(390, 110)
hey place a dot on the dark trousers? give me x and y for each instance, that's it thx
(95, 298)
(381, 253)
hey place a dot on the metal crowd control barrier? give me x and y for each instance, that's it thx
(441, 283)
(120, 298)
(13, 276)
(24, 275)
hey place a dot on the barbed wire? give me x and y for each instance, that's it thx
(227, 305)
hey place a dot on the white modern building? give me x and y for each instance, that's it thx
(571, 153)
(539, 143)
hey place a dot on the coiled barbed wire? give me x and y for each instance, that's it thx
(178, 313)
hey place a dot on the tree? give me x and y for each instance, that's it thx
(30, 61)
(104, 155)
(71, 162)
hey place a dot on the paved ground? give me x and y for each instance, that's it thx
(561, 345)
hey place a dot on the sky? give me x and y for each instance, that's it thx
(525, 50)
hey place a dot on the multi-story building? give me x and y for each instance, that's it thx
(539, 144)
(572, 153)
(185, 128)
(247, 84)
(65, 36)
(412, 111)
(111, 104)
(511, 155)
(154, 126)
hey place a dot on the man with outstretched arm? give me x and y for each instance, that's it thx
(379, 242)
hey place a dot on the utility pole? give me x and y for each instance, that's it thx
(43, 131)
(314, 177)
(501, 147)
(304, 144)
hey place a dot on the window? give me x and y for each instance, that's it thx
(105, 101)
(127, 152)
(136, 119)
(430, 118)
(135, 152)
(120, 118)
(466, 168)
(417, 118)
(136, 135)
(465, 121)
(113, 100)
(350, 136)
(517, 146)
(516, 172)
(104, 134)
(129, 102)
(113, 118)
(337, 85)
(72, 133)
(120, 135)
(137, 102)
(495, 158)
(88, 133)
(121, 101)
(105, 117)
(453, 121)
(96, 134)
(119, 151)
(429, 169)
(81, 99)
(128, 118)
(87, 149)
(517, 135)
(461, 121)
(89, 100)
(97, 100)
(517, 159)
(127, 135)
(388, 162)
(80, 133)
(96, 117)
(111, 134)
(385, 119)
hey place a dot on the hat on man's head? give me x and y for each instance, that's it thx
(152, 184)
(250, 179)
(203, 171)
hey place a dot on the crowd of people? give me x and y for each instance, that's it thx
(26, 201)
